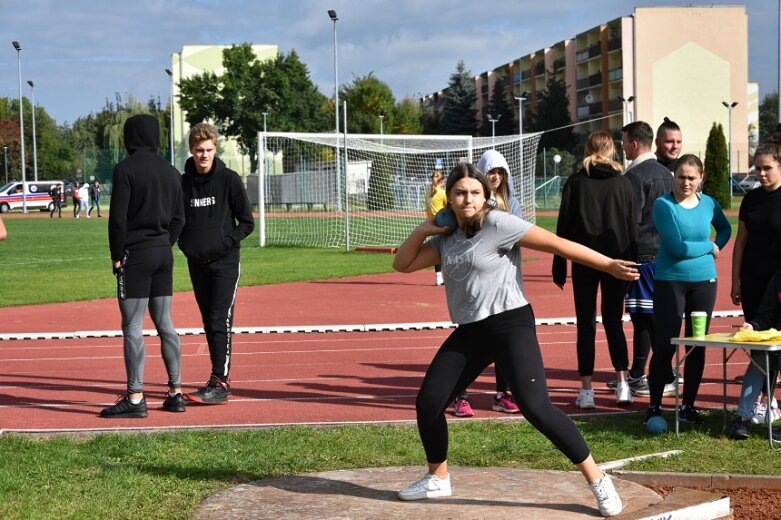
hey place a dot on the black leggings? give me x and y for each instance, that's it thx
(672, 300)
(585, 283)
(509, 339)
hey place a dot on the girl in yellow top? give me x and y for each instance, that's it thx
(436, 199)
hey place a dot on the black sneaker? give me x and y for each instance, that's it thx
(777, 434)
(215, 392)
(125, 409)
(740, 429)
(652, 411)
(689, 414)
(174, 403)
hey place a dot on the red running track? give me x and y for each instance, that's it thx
(314, 378)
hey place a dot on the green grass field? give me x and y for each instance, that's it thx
(167, 475)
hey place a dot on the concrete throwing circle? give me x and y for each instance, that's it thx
(496, 493)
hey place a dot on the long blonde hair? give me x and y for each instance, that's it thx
(600, 150)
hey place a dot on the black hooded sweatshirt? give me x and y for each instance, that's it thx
(217, 211)
(146, 207)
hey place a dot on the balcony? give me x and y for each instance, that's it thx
(615, 74)
(588, 82)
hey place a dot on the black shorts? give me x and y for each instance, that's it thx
(146, 273)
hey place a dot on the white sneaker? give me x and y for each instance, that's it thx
(585, 399)
(429, 486)
(440, 280)
(608, 501)
(668, 391)
(760, 410)
(623, 393)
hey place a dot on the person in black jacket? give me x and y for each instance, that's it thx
(650, 179)
(767, 316)
(145, 219)
(218, 218)
(597, 210)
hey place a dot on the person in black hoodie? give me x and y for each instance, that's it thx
(146, 215)
(218, 218)
(598, 210)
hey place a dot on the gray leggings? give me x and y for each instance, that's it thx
(132, 310)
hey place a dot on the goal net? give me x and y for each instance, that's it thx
(328, 190)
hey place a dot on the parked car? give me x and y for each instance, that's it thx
(736, 187)
(749, 182)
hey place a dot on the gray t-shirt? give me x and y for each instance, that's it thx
(482, 274)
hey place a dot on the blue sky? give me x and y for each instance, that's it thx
(79, 53)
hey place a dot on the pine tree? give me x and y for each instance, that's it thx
(552, 111)
(717, 166)
(459, 114)
(501, 109)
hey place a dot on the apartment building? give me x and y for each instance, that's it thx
(192, 61)
(678, 62)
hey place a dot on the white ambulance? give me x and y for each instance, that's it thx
(36, 193)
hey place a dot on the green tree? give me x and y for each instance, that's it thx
(380, 195)
(430, 121)
(54, 157)
(407, 117)
(500, 109)
(235, 101)
(717, 166)
(552, 111)
(459, 116)
(367, 98)
(768, 116)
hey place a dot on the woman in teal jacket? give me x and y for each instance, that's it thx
(685, 278)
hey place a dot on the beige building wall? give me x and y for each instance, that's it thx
(688, 60)
(194, 60)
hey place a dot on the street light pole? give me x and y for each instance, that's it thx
(171, 131)
(520, 100)
(493, 127)
(334, 18)
(625, 102)
(5, 162)
(21, 121)
(729, 107)
(35, 147)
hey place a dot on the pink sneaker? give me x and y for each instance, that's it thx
(505, 403)
(463, 408)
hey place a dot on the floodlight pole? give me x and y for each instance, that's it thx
(729, 107)
(625, 102)
(171, 75)
(21, 122)
(493, 127)
(520, 100)
(334, 18)
(35, 147)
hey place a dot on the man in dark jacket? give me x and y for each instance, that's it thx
(146, 216)
(218, 218)
(649, 180)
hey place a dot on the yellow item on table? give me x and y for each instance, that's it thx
(756, 335)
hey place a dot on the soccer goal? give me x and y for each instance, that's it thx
(328, 190)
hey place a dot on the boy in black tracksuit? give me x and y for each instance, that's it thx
(146, 217)
(218, 218)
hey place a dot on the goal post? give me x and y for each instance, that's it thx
(305, 198)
